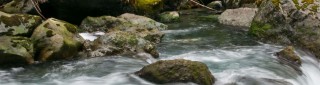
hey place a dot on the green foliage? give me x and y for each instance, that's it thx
(259, 29)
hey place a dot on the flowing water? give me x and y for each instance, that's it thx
(233, 57)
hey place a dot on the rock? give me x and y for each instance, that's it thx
(16, 50)
(55, 39)
(296, 23)
(241, 17)
(143, 21)
(18, 24)
(143, 26)
(287, 55)
(104, 24)
(17, 6)
(171, 71)
(121, 42)
(216, 5)
(171, 16)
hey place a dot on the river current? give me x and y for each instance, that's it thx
(233, 57)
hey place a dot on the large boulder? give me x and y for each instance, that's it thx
(289, 22)
(16, 50)
(241, 17)
(16, 6)
(18, 24)
(172, 71)
(126, 34)
(55, 39)
(143, 26)
(143, 21)
(122, 42)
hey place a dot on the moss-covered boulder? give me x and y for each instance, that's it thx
(143, 26)
(143, 21)
(122, 42)
(289, 22)
(148, 7)
(170, 16)
(288, 56)
(18, 24)
(16, 50)
(17, 6)
(55, 39)
(171, 71)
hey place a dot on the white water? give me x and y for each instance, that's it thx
(232, 57)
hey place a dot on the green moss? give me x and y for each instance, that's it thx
(122, 39)
(147, 6)
(168, 71)
(259, 29)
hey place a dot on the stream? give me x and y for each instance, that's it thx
(233, 57)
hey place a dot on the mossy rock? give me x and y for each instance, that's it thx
(143, 21)
(171, 16)
(122, 42)
(18, 24)
(104, 24)
(147, 7)
(289, 56)
(17, 6)
(55, 39)
(16, 50)
(172, 71)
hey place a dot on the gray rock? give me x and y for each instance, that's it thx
(289, 22)
(238, 17)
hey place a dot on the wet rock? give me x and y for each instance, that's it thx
(143, 26)
(122, 42)
(241, 17)
(18, 24)
(143, 21)
(289, 22)
(171, 16)
(171, 71)
(17, 6)
(16, 50)
(287, 55)
(55, 39)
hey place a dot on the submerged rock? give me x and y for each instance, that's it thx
(16, 50)
(171, 71)
(18, 24)
(55, 39)
(241, 17)
(289, 22)
(171, 16)
(287, 55)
